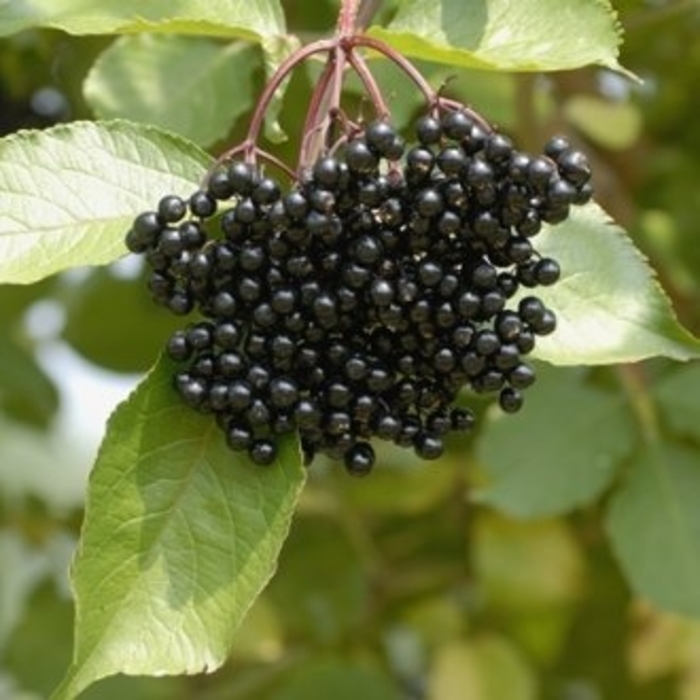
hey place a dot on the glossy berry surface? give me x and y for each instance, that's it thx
(359, 304)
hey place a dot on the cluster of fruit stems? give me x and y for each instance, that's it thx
(325, 104)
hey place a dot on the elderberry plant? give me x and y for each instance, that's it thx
(355, 289)
(357, 300)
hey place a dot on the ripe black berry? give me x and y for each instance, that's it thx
(359, 459)
(263, 451)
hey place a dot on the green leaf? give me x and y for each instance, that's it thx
(277, 49)
(194, 86)
(654, 526)
(179, 538)
(526, 566)
(530, 35)
(26, 392)
(488, 668)
(321, 585)
(107, 339)
(678, 395)
(616, 125)
(403, 485)
(23, 568)
(561, 452)
(340, 679)
(249, 20)
(71, 192)
(610, 307)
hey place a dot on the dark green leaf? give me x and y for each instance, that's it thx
(194, 86)
(654, 525)
(560, 452)
(250, 20)
(321, 586)
(532, 35)
(179, 538)
(609, 305)
(71, 192)
(678, 395)
(130, 336)
(340, 679)
(26, 392)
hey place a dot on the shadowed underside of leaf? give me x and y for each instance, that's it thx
(180, 536)
(71, 192)
(610, 307)
(503, 35)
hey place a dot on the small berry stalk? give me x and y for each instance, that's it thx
(359, 299)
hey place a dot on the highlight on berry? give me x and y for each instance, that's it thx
(355, 297)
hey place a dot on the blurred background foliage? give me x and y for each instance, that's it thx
(401, 586)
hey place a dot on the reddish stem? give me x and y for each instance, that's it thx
(313, 122)
(360, 66)
(347, 19)
(433, 97)
(411, 71)
(268, 93)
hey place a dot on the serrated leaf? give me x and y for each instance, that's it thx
(194, 86)
(71, 192)
(678, 395)
(609, 306)
(561, 452)
(179, 538)
(654, 526)
(249, 20)
(530, 35)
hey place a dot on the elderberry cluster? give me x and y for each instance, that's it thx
(359, 303)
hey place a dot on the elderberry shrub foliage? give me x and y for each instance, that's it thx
(368, 296)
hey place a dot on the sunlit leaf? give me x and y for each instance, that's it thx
(560, 452)
(251, 20)
(533, 35)
(654, 526)
(71, 192)
(610, 307)
(194, 86)
(179, 538)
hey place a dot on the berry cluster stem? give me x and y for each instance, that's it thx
(347, 18)
(341, 51)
